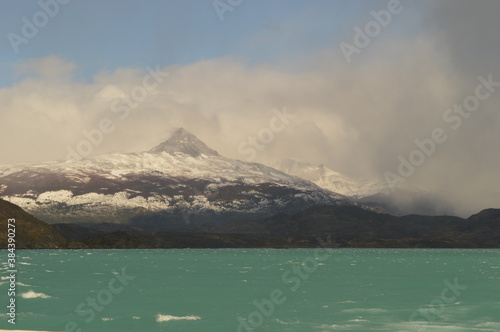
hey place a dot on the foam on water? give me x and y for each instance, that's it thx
(203, 290)
(277, 320)
(166, 318)
(34, 295)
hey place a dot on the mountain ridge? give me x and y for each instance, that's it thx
(30, 232)
(180, 180)
(344, 226)
(369, 193)
(329, 179)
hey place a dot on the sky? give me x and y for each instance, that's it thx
(372, 89)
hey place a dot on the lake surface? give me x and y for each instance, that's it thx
(255, 290)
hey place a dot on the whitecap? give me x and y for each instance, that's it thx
(165, 318)
(277, 320)
(346, 301)
(364, 310)
(489, 324)
(33, 295)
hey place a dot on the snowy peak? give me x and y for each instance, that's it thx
(184, 142)
(328, 179)
(163, 187)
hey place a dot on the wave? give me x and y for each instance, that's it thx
(33, 295)
(165, 318)
(277, 320)
(454, 327)
(365, 310)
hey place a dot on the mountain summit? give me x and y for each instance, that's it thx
(185, 142)
(160, 188)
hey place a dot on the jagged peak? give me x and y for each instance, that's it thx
(181, 134)
(183, 141)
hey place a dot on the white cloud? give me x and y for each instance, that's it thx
(356, 119)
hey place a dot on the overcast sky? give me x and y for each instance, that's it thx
(225, 73)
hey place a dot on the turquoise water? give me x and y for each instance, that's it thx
(264, 289)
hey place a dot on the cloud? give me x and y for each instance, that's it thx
(357, 118)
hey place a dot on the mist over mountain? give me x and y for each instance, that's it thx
(180, 181)
(358, 118)
(329, 179)
(401, 201)
(184, 142)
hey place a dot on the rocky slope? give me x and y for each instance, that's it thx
(31, 233)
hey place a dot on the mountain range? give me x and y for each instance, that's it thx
(182, 193)
(329, 179)
(402, 200)
(179, 181)
(335, 226)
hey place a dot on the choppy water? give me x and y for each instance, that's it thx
(264, 289)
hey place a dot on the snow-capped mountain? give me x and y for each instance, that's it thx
(405, 199)
(327, 178)
(178, 178)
